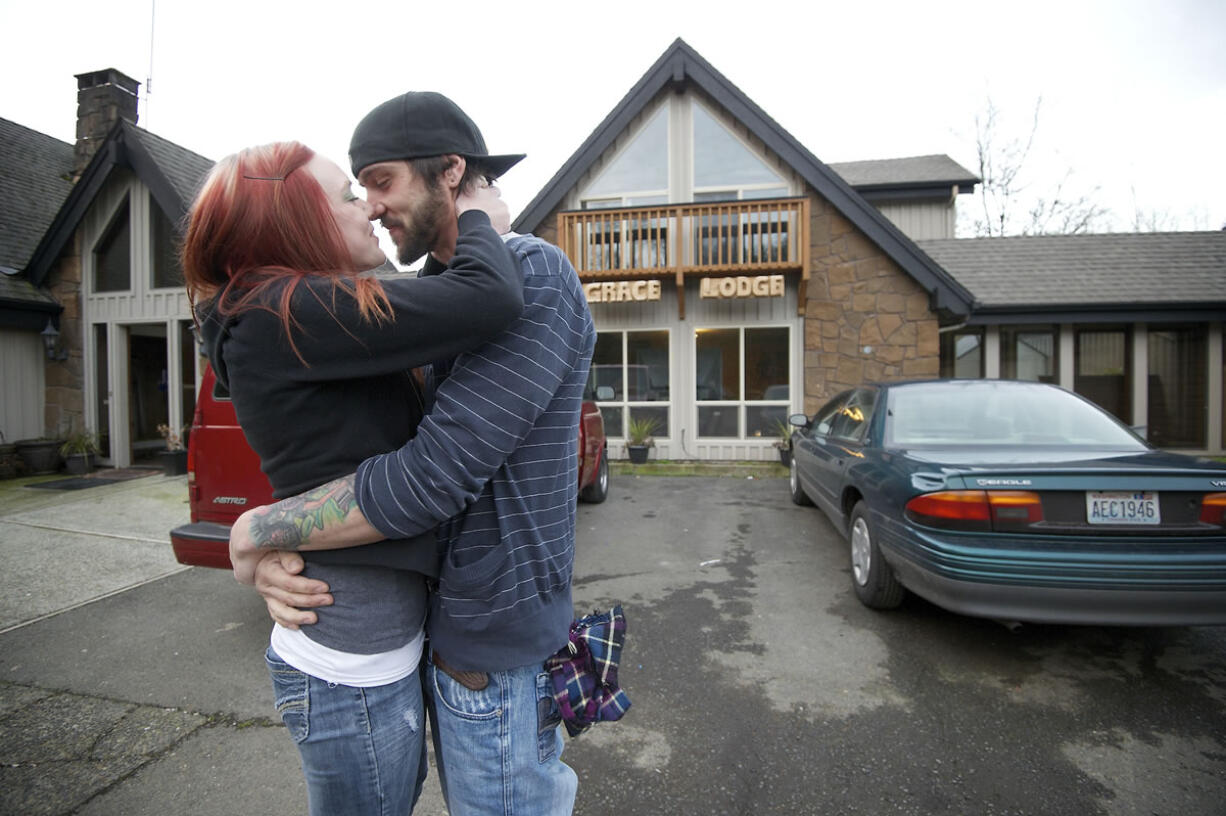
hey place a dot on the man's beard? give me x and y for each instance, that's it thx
(420, 233)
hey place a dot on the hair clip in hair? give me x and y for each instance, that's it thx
(264, 178)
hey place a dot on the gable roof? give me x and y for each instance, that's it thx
(35, 178)
(172, 174)
(680, 64)
(1116, 276)
(910, 177)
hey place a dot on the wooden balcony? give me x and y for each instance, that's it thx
(755, 237)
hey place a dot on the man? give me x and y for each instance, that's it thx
(494, 462)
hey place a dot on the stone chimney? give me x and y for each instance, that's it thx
(103, 98)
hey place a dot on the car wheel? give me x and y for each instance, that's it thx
(798, 492)
(874, 581)
(598, 490)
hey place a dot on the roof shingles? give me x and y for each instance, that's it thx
(35, 178)
(1106, 270)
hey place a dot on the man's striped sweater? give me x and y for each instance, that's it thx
(497, 455)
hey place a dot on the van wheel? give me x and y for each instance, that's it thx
(598, 490)
(871, 576)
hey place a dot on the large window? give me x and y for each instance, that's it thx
(742, 381)
(113, 255)
(166, 270)
(962, 354)
(635, 364)
(1177, 386)
(1030, 353)
(1103, 373)
(639, 174)
(724, 168)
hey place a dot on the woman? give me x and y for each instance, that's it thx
(318, 360)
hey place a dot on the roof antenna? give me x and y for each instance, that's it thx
(149, 76)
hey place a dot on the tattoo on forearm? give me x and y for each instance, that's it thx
(289, 524)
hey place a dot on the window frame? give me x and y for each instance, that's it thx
(626, 406)
(122, 212)
(742, 404)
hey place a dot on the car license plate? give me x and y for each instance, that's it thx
(1121, 507)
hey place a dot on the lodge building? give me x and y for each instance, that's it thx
(734, 279)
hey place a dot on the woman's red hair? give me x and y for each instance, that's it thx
(262, 220)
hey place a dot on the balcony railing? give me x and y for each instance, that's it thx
(733, 237)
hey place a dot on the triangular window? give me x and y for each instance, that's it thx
(722, 161)
(641, 168)
(113, 255)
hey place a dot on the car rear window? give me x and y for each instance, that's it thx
(1000, 413)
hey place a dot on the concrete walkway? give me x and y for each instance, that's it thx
(130, 684)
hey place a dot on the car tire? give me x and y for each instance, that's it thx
(598, 490)
(871, 576)
(798, 492)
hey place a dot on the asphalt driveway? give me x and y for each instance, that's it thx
(759, 684)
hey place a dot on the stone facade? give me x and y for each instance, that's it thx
(865, 319)
(64, 411)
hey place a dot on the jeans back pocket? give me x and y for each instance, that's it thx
(291, 695)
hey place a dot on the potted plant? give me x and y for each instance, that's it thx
(174, 458)
(40, 456)
(784, 442)
(78, 450)
(8, 458)
(639, 437)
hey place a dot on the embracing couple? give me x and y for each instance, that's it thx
(420, 434)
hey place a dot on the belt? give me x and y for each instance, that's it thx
(472, 680)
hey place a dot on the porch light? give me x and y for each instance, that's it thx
(51, 339)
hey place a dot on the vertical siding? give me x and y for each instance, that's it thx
(703, 313)
(23, 372)
(921, 221)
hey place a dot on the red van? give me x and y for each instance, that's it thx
(224, 477)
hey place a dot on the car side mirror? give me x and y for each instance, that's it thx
(604, 393)
(799, 420)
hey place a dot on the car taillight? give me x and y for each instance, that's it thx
(1213, 509)
(976, 509)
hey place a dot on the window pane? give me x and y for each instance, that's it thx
(823, 420)
(718, 364)
(764, 420)
(660, 415)
(853, 420)
(1102, 374)
(166, 270)
(102, 359)
(643, 165)
(113, 256)
(612, 415)
(1028, 353)
(721, 160)
(647, 369)
(718, 420)
(607, 363)
(1177, 387)
(766, 364)
(962, 354)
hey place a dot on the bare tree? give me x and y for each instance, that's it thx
(1005, 206)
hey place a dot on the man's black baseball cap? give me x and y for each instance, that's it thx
(420, 124)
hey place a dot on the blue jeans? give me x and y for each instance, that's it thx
(499, 750)
(363, 749)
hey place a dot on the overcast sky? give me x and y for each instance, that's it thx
(1134, 93)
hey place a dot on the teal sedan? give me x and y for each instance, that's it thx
(1017, 501)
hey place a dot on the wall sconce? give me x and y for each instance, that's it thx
(51, 339)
